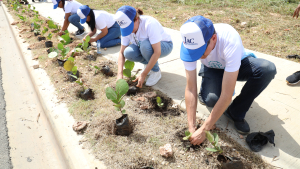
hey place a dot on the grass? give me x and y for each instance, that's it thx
(269, 27)
(141, 148)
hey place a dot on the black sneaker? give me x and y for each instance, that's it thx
(79, 32)
(200, 99)
(294, 78)
(241, 127)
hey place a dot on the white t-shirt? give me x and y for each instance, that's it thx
(227, 53)
(72, 6)
(103, 19)
(149, 28)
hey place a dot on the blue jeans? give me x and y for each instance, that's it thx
(143, 53)
(112, 38)
(256, 71)
(75, 20)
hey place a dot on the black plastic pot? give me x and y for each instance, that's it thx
(48, 44)
(48, 51)
(88, 94)
(133, 90)
(71, 78)
(37, 34)
(61, 62)
(41, 38)
(123, 126)
(91, 57)
(106, 70)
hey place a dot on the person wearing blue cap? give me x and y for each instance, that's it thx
(149, 41)
(70, 7)
(103, 21)
(224, 61)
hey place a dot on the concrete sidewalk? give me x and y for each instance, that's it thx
(276, 108)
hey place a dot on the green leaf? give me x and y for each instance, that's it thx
(74, 77)
(69, 65)
(78, 50)
(123, 111)
(158, 100)
(71, 59)
(96, 67)
(60, 46)
(121, 88)
(67, 38)
(127, 73)
(51, 25)
(216, 138)
(74, 70)
(209, 136)
(67, 49)
(52, 55)
(111, 94)
(87, 39)
(129, 65)
(187, 135)
(212, 149)
(122, 103)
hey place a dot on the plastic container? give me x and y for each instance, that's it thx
(98, 47)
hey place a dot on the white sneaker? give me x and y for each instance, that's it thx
(144, 70)
(153, 78)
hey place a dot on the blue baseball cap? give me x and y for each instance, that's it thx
(83, 12)
(125, 18)
(55, 3)
(195, 34)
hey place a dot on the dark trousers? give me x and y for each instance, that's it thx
(256, 71)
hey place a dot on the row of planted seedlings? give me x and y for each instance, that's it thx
(66, 58)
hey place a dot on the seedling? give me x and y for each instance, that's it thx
(64, 51)
(23, 18)
(96, 68)
(85, 44)
(45, 30)
(117, 95)
(66, 38)
(159, 102)
(51, 25)
(129, 65)
(79, 81)
(49, 37)
(213, 139)
(70, 65)
(187, 135)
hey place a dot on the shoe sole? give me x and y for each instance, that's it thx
(153, 84)
(241, 132)
(292, 83)
(202, 102)
(80, 34)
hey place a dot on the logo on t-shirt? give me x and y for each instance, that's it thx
(189, 41)
(122, 22)
(215, 64)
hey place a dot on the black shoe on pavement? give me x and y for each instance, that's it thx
(293, 79)
(241, 127)
(79, 32)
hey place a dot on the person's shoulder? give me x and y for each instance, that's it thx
(223, 27)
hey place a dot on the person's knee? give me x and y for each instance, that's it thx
(146, 48)
(129, 54)
(268, 69)
(211, 100)
(70, 19)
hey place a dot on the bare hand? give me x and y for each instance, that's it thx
(141, 79)
(296, 13)
(60, 33)
(198, 137)
(93, 40)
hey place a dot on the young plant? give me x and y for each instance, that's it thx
(85, 44)
(69, 65)
(159, 102)
(187, 135)
(64, 51)
(51, 25)
(96, 68)
(23, 18)
(213, 139)
(37, 28)
(49, 37)
(44, 30)
(66, 38)
(117, 95)
(129, 65)
(79, 81)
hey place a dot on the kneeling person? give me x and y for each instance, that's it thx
(224, 61)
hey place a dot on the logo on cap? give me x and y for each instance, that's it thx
(189, 41)
(121, 23)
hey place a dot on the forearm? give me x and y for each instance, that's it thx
(65, 25)
(121, 61)
(101, 35)
(191, 106)
(90, 34)
(217, 111)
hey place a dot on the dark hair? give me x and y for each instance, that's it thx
(63, 2)
(138, 13)
(92, 22)
(210, 38)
